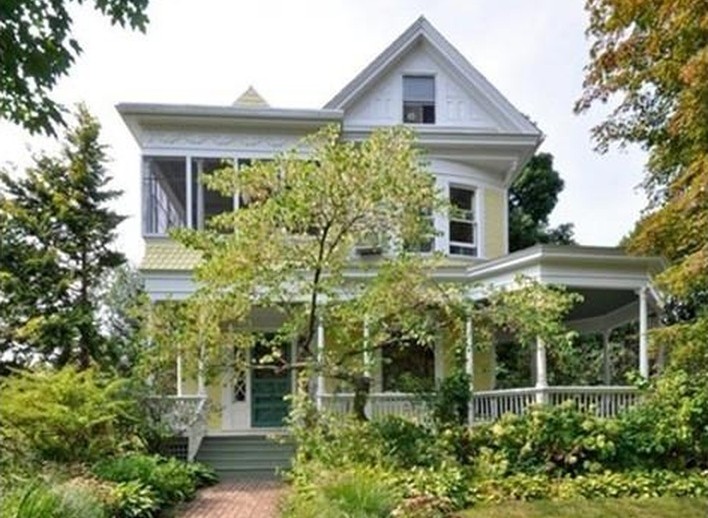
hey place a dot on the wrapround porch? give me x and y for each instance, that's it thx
(616, 288)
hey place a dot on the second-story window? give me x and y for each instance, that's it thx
(419, 99)
(462, 222)
(164, 194)
(206, 202)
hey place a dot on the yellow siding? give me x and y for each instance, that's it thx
(484, 369)
(483, 365)
(494, 238)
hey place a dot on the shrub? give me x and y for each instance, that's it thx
(554, 440)
(669, 428)
(336, 441)
(171, 480)
(66, 415)
(443, 487)
(407, 444)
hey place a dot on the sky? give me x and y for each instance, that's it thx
(298, 54)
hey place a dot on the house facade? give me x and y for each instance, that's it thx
(476, 144)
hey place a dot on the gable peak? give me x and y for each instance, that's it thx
(251, 99)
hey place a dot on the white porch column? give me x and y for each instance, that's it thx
(179, 373)
(367, 351)
(541, 373)
(320, 360)
(201, 384)
(606, 367)
(643, 329)
(200, 195)
(469, 365)
(469, 350)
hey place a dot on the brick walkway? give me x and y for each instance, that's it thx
(237, 499)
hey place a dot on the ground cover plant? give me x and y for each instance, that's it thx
(664, 507)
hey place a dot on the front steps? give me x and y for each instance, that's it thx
(245, 456)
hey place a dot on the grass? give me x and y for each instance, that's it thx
(664, 507)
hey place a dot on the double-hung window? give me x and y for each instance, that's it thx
(418, 99)
(462, 235)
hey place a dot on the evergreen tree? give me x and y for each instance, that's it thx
(56, 233)
(532, 198)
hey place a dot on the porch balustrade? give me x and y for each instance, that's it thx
(379, 404)
(489, 405)
(185, 416)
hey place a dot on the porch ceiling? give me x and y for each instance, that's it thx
(599, 302)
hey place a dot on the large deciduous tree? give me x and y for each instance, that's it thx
(650, 59)
(37, 48)
(292, 248)
(532, 198)
(56, 235)
(331, 231)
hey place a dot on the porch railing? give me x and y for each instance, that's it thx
(185, 416)
(379, 404)
(489, 405)
(603, 401)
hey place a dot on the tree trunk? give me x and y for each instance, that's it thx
(362, 387)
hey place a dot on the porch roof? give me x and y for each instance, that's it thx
(570, 265)
(607, 278)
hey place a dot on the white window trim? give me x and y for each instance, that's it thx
(436, 97)
(476, 223)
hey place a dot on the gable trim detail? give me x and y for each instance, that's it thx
(422, 30)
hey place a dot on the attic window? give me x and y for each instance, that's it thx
(419, 99)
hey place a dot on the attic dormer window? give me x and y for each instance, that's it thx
(419, 99)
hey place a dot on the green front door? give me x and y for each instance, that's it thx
(269, 386)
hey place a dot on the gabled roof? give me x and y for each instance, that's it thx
(474, 81)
